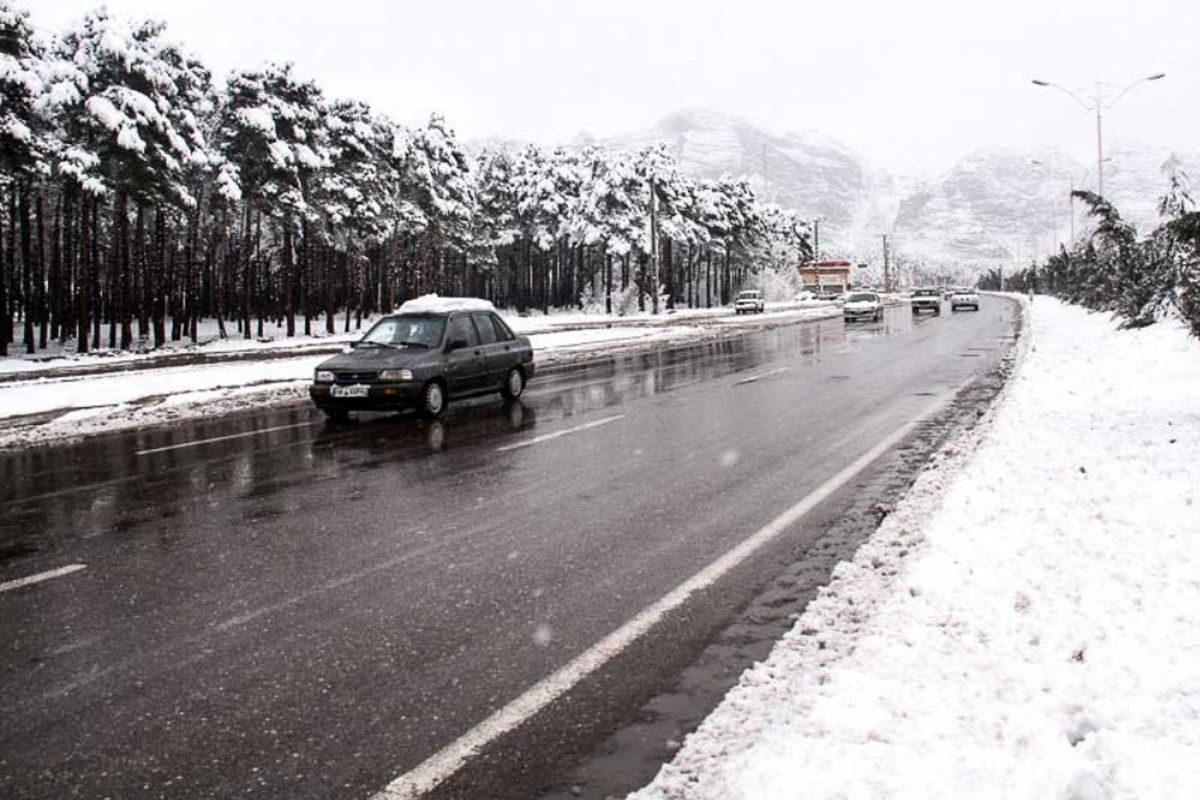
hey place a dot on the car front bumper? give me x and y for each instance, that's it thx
(378, 396)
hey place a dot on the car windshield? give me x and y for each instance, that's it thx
(748, 295)
(405, 331)
(861, 297)
(964, 291)
(926, 293)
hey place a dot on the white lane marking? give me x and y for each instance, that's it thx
(41, 576)
(223, 438)
(547, 437)
(443, 764)
(754, 378)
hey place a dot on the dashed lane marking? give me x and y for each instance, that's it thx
(41, 576)
(547, 437)
(199, 442)
(754, 378)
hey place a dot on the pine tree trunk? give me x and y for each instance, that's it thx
(70, 273)
(155, 279)
(346, 290)
(43, 306)
(26, 266)
(708, 275)
(289, 277)
(84, 279)
(246, 257)
(668, 262)
(261, 275)
(641, 282)
(725, 281)
(56, 309)
(607, 280)
(94, 244)
(306, 275)
(5, 319)
(330, 266)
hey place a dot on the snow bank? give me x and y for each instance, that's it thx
(431, 303)
(1023, 626)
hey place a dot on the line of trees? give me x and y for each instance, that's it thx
(138, 197)
(1114, 269)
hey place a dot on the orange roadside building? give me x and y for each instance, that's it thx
(826, 276)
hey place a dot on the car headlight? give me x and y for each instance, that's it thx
(396, 375)
(324, 376)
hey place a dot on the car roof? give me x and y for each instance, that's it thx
(431, 303)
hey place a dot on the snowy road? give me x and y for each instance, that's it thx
(314, 611)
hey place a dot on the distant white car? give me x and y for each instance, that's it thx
(862, 305)
(927, 299)
(750, 302)
(964, 298)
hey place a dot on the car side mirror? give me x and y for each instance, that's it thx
(457, 344)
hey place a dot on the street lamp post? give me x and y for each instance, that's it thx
(1105, 97)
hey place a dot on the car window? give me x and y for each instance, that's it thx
(487, 331)
(461, 329)
(407, 330)
(503, 332)
(859, 297)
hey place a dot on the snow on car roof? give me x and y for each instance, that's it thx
(431, 303)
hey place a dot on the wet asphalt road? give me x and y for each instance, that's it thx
(314, 610)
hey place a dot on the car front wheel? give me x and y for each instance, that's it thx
(514, 384)
(433, 400)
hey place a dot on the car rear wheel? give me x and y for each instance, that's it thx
(433, 400)
(514, 384)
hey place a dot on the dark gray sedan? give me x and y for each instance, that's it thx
(423, 360)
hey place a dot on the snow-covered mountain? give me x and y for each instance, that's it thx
(818, 176)
(995, 206)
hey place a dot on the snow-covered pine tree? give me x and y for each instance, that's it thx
(129, 110)
(267, 129)
(22, 148)
(437, 179)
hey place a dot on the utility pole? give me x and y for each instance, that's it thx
(816, 240)
(1099, 101)
(887, 275)
(654, 244)
(766, 174)
(1071, 206)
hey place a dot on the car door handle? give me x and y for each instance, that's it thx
(477, 352)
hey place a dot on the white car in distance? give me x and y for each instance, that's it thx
(750, 301)
(964, 298)
(862, 305)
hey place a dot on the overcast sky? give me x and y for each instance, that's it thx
(912, 85)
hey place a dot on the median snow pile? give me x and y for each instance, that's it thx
(1024, 625)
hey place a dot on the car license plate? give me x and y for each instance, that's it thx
(357, 390)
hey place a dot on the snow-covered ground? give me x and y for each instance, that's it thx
(1024, 625)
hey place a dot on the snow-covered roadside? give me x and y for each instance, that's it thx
(1022, 626)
